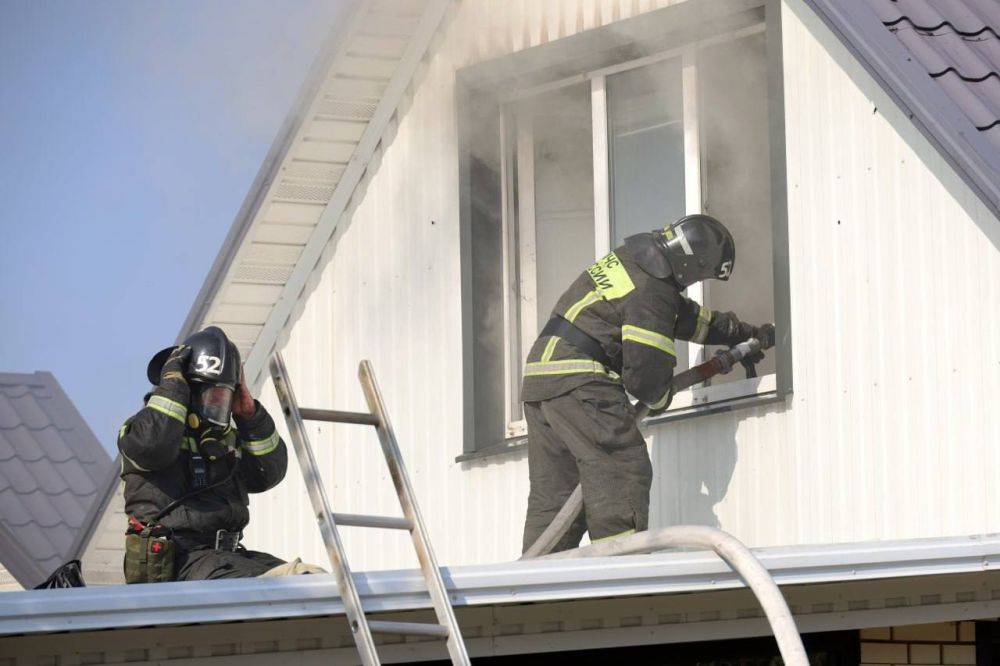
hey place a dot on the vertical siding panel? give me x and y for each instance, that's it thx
(895, 313)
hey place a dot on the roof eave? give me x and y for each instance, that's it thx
(268, 171)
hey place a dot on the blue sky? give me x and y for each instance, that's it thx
(129, 134)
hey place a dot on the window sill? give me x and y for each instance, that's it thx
(742, 394)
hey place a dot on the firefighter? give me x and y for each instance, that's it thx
(188, 471)
(611, 335)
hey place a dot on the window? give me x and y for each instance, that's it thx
(562, 168)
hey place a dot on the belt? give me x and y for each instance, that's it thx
(569, 332)
(220, 540)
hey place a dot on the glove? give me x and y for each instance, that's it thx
(175, 365)
(765, 334)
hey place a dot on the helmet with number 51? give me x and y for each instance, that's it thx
(213, 373)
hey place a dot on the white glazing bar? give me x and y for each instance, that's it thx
(508, 237)
(527, 251)
(602, 184)
(692, 176)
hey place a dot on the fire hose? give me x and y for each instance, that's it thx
(726, 546)
(721, 363)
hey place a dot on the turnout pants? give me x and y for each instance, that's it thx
(587, 436)
(208, 563)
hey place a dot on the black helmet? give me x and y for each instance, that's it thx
(213, 373)
(698, 247)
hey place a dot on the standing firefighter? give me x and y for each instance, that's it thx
(613, 332)
(187, 471)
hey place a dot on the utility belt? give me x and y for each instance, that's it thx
(219, 540)
(583, 341)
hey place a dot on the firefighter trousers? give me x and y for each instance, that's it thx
(587, 436)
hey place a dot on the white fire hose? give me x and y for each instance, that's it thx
(734, 553)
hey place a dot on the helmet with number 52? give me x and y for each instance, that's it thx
(692, 249)
(213, 373)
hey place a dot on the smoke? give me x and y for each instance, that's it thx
(646, 145)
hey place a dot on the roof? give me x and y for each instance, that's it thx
(52, 470)
(506, 583)
(311, 172)
(956, 42)
(940, 61)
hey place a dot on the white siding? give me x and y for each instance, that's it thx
(895, 309)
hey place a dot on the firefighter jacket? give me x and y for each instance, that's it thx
(163, 459)
(635, 317)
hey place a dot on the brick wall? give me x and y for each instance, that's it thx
(941, 643)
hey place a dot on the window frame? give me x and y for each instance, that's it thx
(578, 59)
(518, 216)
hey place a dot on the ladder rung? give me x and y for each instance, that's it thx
(410, 628)
(360, 418)
(384, 522)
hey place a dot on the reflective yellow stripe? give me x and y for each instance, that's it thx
(133, 463)
(264, 446)
(589, 298)
(611, 278)
(614, 536)
(550, 347)
(662, 402)
(174, 410)
(646, 337)
(564, 367)
(701, 328)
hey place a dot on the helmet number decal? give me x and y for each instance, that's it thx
(209, 365)
(726, 269)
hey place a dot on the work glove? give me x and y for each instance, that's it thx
(175, 365)
(763, 334)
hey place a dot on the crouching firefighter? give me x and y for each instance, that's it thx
(611, 335)
(188, 471)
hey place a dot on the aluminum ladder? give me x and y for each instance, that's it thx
(361, 627)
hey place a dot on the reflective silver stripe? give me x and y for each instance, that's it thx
(682, 239)
(261, 447)
(174, 410)
(563, 367)
(701, 328)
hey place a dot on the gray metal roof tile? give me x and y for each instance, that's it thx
(31, 413)
(12, 509)
(6, 447)
(69, 507)
(965, 16)
(40, 508)
(76, 479)
(53, 443)
(25, 446)
(19, 476)
(51, 471)
(9, 417)
(32, 540)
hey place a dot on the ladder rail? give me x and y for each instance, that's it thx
(407, 499)
(324, 515)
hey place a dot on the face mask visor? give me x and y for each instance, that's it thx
(215, 404)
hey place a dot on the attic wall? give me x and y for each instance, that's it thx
(895, 315)
(102, 557)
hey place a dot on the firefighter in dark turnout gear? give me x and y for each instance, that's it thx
(188, 471)
(612, 335)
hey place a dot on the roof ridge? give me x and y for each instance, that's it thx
(963, 33)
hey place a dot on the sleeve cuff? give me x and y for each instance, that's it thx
(254, 425)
